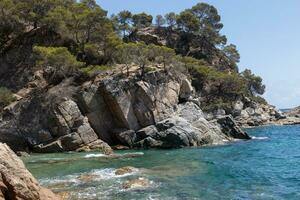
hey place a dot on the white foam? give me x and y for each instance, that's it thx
(259, 138)
(94, 155)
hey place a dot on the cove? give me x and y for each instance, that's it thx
(266, 167)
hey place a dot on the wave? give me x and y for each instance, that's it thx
(259, 138)
(94, 155)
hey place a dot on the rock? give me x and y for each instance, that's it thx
(64, 195)
(72, 130)
(124, 170)
(97, 145)
(16, 182)
(127, 137)
(186, 127)
(231, 129)
(186, 90)
(22, 154)
(120, 147)
(86, 178)
(136, 183)
(177, 132)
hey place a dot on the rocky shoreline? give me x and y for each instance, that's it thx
(159, 111)
(16, 182)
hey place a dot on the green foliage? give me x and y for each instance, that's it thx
(6, 97)
(93, 69)
(10, 22)
(232, 56)
(171, 19)
(160, 21)
(209, 21)
(56, 57)
(219, 89)
(254, 83)
(162, 55)
(124, 21)
(142, 20)
(187, 21)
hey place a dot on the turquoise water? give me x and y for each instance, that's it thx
(267, 167)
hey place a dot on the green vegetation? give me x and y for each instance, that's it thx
(6, 97)
(92, 69)
(57, 57)
(254, 83)
(90, 42)
(58, 62)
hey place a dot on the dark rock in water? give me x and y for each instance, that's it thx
(22, 154)
(127, 137)
(187, 127)
(16, 182)
(231, 129)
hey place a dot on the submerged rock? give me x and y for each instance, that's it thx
(136, 183)
(124, 170)
(64, 195)
(16, 182)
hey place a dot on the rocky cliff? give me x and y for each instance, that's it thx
(16, 183)
(159, 110)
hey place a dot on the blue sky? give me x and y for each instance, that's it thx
(266, 32)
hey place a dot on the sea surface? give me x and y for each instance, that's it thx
(267, 167)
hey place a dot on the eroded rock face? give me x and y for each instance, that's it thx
(71, 130)
(249, 113)
(230, 128)
(186, 127)
(159, 110)
(113, 104)
(16, 182)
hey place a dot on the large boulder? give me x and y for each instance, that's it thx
(186, 127)
(70, 129)
(231, 129)
(16, 182)
(131, 104)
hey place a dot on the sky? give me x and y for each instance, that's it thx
(266, 32)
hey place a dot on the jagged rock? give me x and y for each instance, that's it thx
(238, 108)
(127, 137)
(231, 129)
(187, 127)
(255, 114)
(16, 182)
(131, 104)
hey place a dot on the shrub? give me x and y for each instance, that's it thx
(6, 97)
(92, 69)
(57, 57)
(57, 62)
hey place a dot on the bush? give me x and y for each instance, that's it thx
(57, 62)
(57, 57)
(92, 69)
(6, 97)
